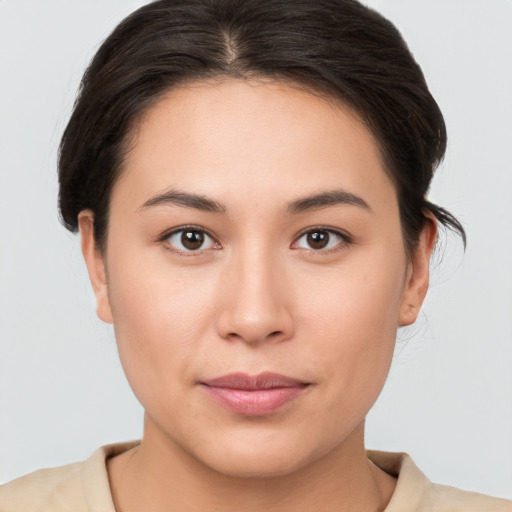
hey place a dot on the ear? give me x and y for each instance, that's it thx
(417, 279)
(95, 265)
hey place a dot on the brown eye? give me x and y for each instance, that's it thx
(190, 240)
(317, 239)
(320, 239)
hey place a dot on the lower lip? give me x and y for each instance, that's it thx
(254, 402)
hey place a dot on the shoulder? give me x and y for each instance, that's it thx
(46, 489)
(442, 498)
(77, 487)
(414, 492)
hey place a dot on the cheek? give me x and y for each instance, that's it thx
(354, 324)
(161, 316)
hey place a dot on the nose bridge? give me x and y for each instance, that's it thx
(256, 308)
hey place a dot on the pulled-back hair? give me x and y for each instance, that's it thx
(338, 48)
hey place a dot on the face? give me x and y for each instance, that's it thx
(255, 274)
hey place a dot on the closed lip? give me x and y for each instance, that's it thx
(265, 380)
(254, 395)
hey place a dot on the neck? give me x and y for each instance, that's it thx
(158, 472)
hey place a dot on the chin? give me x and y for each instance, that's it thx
(264, 464)
(259, 457)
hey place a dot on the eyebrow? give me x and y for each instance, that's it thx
(326, 199)
(176, 198)
(304, 204)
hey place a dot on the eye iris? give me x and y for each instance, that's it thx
(192, 240)
(318, 239)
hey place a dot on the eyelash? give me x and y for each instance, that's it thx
(345, 240)
(168, 234)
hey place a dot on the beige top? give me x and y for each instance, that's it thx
(84, 487)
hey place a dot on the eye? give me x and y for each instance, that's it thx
(190, 240)
(320, 240)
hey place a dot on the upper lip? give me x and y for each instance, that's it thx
(266, 380)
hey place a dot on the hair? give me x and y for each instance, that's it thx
(338, 48)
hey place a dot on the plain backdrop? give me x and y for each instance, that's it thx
(448, 399)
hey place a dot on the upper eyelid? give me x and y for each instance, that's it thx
(309, 229)
(336, 231)
(166, 234)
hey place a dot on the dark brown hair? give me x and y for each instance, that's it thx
(338, 48)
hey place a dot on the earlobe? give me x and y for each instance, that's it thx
(95, 265)
(417, 279)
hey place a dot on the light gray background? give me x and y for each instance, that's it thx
(448, 400)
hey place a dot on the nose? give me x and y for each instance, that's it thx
(256, 306)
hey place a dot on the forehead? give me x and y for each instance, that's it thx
(244, 138)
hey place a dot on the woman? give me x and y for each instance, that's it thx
(249, 182)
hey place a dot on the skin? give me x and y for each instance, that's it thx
(255, 298)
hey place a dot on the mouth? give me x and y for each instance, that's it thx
(254, 395)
